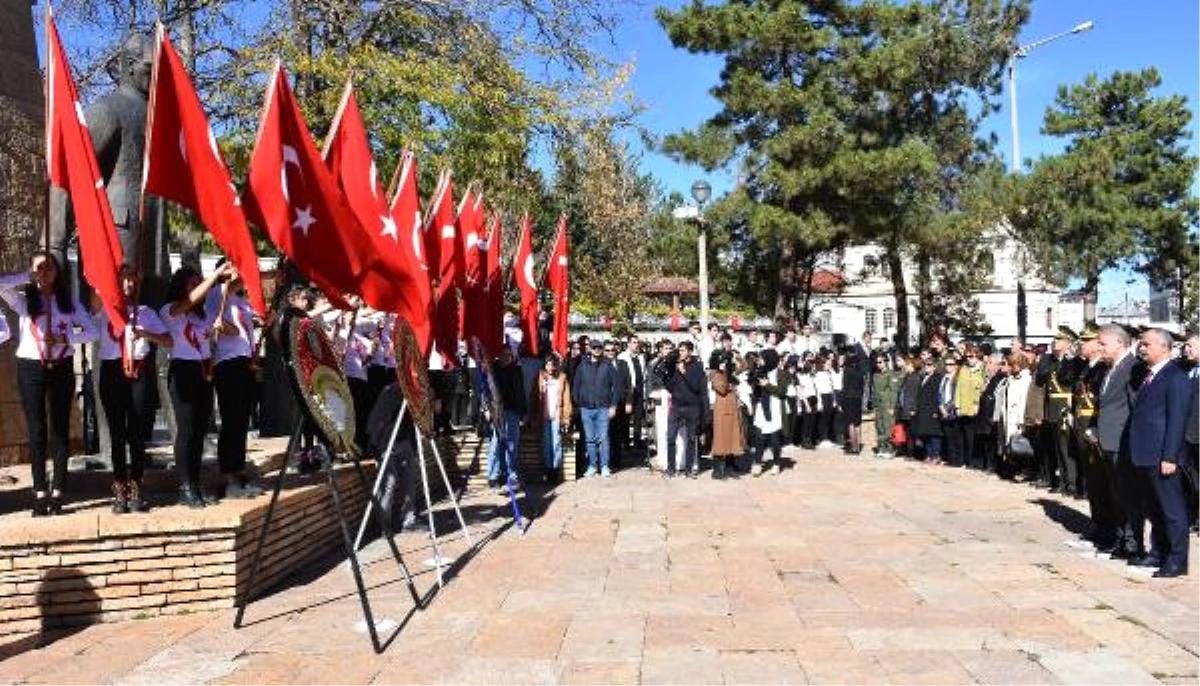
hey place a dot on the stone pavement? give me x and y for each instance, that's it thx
(840, 570)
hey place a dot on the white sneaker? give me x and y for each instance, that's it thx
(777, 470)
(605, 473)
(756, 470)
(591, 471)
(827, 444)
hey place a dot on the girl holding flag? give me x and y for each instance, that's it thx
(51, 324)
(127, 378)
(190, 375)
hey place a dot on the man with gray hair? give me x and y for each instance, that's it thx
(1110, 430)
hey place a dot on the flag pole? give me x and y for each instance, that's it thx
(48, 99)
(139, 241)
(337, 118)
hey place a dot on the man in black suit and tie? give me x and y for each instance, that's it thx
(1110, 430)
(631, 364)
(1156, 431)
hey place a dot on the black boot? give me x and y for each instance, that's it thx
(189, 496)
(133, 497)
(718, 470)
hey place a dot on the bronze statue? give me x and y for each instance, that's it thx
(117, 123)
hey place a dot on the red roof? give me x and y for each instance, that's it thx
(827, 281)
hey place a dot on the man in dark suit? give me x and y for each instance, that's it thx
(631, 363)
(1191, 438)
(1156, 431)
(1110, 430)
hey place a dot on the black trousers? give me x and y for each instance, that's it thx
(38, 387)
(1099, 491)
(1070, 476)
(126, 402)
(360, 393)
(192, 399)
(618, 434)
(826, 423)
(686, 419)
(379, 377)
(808, 422)
(235, 384)
(637, 420)
(762, 441)
(1132, 505)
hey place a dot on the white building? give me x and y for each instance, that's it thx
(865, 301)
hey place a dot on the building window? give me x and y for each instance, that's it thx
(826, 320)
(871, 320)
(1049, 318)
(889, 318)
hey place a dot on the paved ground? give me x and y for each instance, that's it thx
(841, 570)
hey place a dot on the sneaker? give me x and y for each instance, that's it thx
(694, 474)
(669, 474)
(591, 471)
(756, 470)
(776, 470)
(605, 473)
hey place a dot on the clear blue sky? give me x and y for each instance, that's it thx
(674, 84)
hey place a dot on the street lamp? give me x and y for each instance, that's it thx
(1014, 164)
(701, 192)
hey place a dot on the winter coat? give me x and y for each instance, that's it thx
(906, 400)
(729, 437)
(968, 386)
(928, 420)
(537, 409)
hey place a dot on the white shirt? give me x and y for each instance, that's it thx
(1104, 386)
(823, 380)
(191, 335)
(76, 326)
(238, 313)
(141, 316)
(4, 333)
(806, 387)
(385, 354)
(775, 423)
(551, 397)
(351, 344)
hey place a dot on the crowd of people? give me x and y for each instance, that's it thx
(1108, 415)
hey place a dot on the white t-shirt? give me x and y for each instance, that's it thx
(76, 326)
(352, 344)
(823, 380)
(239, 313)
(806, 387)
(191, 336)
(552, 397)
(775, 423)
(142, 317)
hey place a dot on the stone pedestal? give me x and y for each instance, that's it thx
(22, 190)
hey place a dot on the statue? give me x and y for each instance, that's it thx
(117, 123)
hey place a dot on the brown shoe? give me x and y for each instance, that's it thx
(120, 503)
(133, 496)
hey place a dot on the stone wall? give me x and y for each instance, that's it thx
(22, 190)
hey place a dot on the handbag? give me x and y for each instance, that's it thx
(1019, 446)
(899, 434)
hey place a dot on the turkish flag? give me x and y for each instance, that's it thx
(291, 194)
(392, 282)
(470, 228)
(440, 243)
(405, 208)
(559, 283)
(184, 165)
(489, 326)
(523, 275)
(71, 165)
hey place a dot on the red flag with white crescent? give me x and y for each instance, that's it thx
(184, 165)
(523, 275)
(559, 283)
(291, 194)
(71, 165)
(441, 250)
(406, 213)
(392, 282)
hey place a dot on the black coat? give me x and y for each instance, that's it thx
(928, 421)
(987, 405)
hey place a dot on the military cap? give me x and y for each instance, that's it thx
(1090, 332)
(1065, 333)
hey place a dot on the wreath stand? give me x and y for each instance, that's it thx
(439, 561)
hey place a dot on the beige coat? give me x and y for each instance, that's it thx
(729, 438)
(537, 410)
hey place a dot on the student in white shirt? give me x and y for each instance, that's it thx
(190, 374)
(234, 380)
(350, 335)
(50, 324)
(127, 380)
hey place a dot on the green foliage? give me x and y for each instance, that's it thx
(1120, 193)
(850, 122)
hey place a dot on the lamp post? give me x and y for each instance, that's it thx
(1014, 164)
(701, 192)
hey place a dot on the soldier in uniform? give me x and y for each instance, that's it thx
(1084, 400)
(1056, 371)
